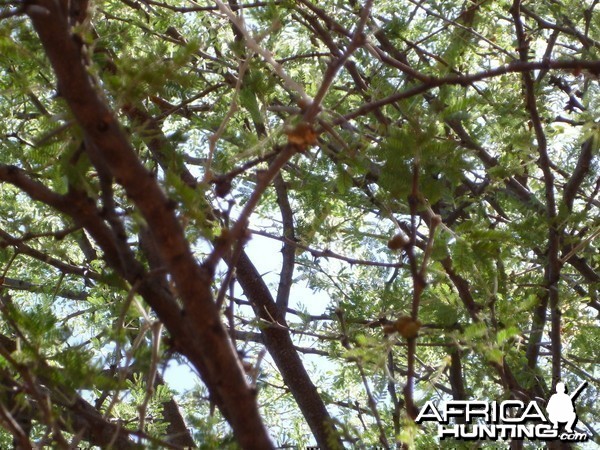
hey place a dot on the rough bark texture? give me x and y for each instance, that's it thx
(281, 348)
(197, 331)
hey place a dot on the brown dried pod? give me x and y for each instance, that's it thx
(302, 135)
(407, 327)
(398, 242)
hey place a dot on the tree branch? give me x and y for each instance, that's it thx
(213, 354)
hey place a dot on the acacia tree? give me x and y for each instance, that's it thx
(428, 170)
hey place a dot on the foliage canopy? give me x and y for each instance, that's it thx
(423, 176)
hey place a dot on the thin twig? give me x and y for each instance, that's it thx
(253, 45)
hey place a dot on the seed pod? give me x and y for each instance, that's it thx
(302, 135)
(398, 242)
(405, 326)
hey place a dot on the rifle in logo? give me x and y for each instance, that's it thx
(560, 406)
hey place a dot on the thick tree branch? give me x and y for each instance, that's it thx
(281, 348)
(468, 79)
(213, 355)
(581, 170)
(552, 267)
(288, 251)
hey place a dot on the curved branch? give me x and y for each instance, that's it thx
(281, 348)
(199, 332)
(288, 251)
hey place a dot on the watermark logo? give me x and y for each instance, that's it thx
(561, 408)
(511, 419)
